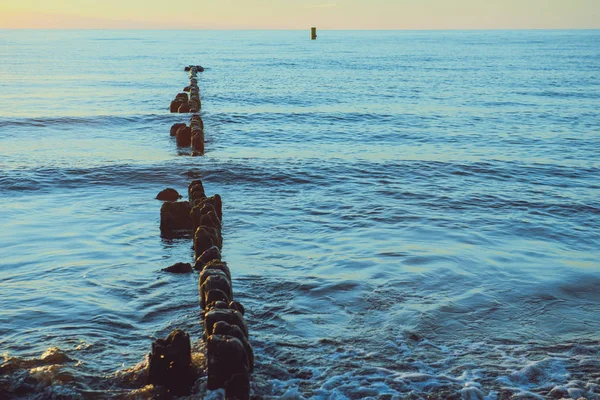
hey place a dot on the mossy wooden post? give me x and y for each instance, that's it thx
(313, 33)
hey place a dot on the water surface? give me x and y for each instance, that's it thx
(406, 214)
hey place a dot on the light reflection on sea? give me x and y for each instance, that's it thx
(406, 214)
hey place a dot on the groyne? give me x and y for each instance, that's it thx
(189, 101)
(229, 354)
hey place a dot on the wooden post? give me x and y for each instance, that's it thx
(313, 33)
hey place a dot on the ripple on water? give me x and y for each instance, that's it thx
(417, 223)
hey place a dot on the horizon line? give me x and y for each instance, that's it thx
(299, 29)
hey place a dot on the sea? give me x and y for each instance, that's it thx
(406, 214)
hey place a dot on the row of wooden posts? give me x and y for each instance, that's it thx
(192, 135)
(229, 355)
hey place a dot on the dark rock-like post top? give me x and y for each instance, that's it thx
(170, 363)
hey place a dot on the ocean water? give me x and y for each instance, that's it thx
(406, 214)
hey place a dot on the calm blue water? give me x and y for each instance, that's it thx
(406, 214)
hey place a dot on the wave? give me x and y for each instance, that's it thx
(561, 94)
(47, 178)
(334, 368)
(309, 117)
(92, 120)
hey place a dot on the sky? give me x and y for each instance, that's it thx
(300, 14)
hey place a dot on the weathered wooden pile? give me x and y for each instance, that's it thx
(192, 135)
(181, 103)
(229, 355)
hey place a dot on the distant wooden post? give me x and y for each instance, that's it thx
(313, 33)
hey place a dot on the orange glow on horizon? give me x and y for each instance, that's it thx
(297, 14)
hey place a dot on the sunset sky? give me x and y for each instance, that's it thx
(300, 14)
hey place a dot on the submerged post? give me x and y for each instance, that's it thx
(313, 33)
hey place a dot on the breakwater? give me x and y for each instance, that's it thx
(229, 354)
(192, 134)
